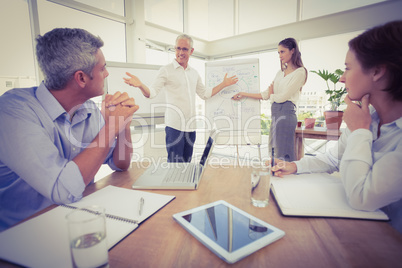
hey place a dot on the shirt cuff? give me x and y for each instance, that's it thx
(300, 169)
(265, 95)
(109, 158)
(208, 93)
(152, 93)
(72, 179)
(359, 146)
(112, 165)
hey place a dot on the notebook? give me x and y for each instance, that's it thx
(43, 240)
(317, 195)
(175, 176)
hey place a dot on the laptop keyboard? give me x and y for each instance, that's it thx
(180, 174)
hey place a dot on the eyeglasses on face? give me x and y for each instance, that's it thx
(184, 49)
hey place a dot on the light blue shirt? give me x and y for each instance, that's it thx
(37, 144)
(370, 167)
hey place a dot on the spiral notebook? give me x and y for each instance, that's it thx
(43, 241)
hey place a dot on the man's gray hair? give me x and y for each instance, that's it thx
(185, 36)
(64, 51)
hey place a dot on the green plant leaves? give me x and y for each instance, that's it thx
(335, 95)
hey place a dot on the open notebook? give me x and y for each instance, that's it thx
(317, 195)
(43, 241)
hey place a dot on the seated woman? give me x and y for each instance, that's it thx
(368, 154)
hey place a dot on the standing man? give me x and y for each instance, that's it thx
(181, 82)
(53, 138)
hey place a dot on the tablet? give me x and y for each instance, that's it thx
(229, 232)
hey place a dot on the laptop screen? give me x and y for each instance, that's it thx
(206, 151)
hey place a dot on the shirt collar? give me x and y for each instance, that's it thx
(398, 122)
(376, 119)
(49, 102)
(177, 65)
(85, 110)
(54, 108)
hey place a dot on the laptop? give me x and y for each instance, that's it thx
(176, 176)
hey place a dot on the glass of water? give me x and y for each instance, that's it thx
(87, 237)
(260, 184)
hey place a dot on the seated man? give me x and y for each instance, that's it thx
(53, 139)
(369, 152)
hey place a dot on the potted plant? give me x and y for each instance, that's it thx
(307, 117)
(333, 117)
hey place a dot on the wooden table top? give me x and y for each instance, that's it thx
(309, 242)
(318, 131)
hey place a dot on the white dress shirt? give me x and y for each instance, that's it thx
(287, 88)
(180, 86)
(370, 167)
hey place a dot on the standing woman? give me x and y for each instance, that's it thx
(284, 93)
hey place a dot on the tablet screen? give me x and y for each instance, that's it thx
(228, 231)
(225, 226)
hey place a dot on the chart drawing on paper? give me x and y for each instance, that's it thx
(235, 118)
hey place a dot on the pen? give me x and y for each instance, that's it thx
(273, 160)
(141, 206)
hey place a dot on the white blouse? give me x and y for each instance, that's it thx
(370, 167)
(287, 88)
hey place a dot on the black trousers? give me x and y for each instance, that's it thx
(179, 145)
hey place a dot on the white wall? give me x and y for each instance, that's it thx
(16, 50)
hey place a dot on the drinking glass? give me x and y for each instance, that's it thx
(260, 184)
(87, 237)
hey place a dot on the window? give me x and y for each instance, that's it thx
(255, 15)
(166, 13)
(198, 22)
(113, 33)
(318, 8)
(210, 19)
(324, 53)
(114, 6)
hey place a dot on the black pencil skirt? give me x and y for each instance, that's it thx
(282, 131)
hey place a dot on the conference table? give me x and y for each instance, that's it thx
(319, 133)
(308, 242)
